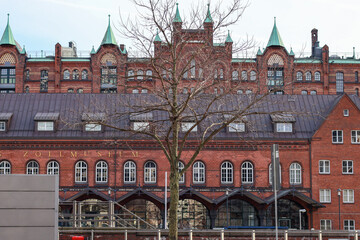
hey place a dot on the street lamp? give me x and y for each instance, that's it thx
(300, 212)
(339, 194)
(227, 207)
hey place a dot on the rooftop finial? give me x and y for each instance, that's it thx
(109, 19)
(275, 20)
(8, 17)
(353, 52)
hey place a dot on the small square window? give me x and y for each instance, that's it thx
(45, 126)
(337, 136)
(92, 127)
(237, 127)
(346, 112)
(185, 126)
(141, 126)
(2, 126)
(284, 127)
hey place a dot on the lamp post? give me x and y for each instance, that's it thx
(227, 207)
(300, 212)
(339, 194)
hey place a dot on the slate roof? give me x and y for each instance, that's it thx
(309, 111)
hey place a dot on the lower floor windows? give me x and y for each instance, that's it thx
(349, 225)
(348, 196)
(325, 224)
(325, 195)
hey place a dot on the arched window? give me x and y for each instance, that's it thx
(70, 90)
(356, 76)
(252, 75)
(199, 172)
(32, 168)
(80, 172)
(129, 172)
(101, 172)
(53, 168)
(339, 82)
(270, 173)
(244, 75)
(84, 74)
(150, 172)
(248, 91)
(44, 80)
(308, 76)
(313, 92)
(182, 178)
(144, 90)
(304, 92)
(295, 173)
(192, 68)
(239, 91)
(235, 75)
(221, 73)
(76, 75)
(226, 172)
(317, 76)
(66, 74)
(27, 74)
(27, 89)
(130, 75)
(135, 91)
(80, 90)
(215, 73)
(140, 75)
(5, 167)
(247, 172)
(148, 74)
(299, 76)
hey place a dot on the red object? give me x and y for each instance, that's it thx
(77, 238)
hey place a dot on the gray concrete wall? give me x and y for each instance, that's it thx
(29, 207)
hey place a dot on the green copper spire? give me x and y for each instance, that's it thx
(275, 39)
(177, 15)
(208, 15)
(259, 52)
(23, 50)
(92, 50)
(8, 37)
(291, 52)
(157, 37)
(228, 38)
(109, 37)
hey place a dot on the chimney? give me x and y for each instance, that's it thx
(314, 40)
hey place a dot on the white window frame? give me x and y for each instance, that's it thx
(150, 172)
(355, 136)
(182, 177)
(237, 127)
(247, 172)
(141, 126)
(80, 172)
(185, 126)
(349, 224)
(235, 75)
(244, 75)
(337, 136)
(325, 224)
(346, 112)
(284, 127)
(252, 76)
(317, 76)
(227, 172)
(52, 168)
(129, 172)
(299, 76)
(101, 172)
(325, 195)
(5, 167)
(32, 168)
(348, 196)
(348, 166)
(198, 172)
(308, 76)
(140, 74)
(93, 127)
(43, 126)
(295, 173)
(324, 167)
(2, 126)
(270, 173)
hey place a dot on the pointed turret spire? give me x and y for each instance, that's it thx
(275, 39)
(8, 37)
(259, 52)
(23, 50)
(157, 37)
(208, 15)
(109, 37)
(228, 38)
(177, 15)
(92, 50)
(291, 52)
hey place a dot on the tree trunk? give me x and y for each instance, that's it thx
(174, 201)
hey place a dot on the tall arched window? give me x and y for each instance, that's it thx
(235, 75)
(140, 75)
(182, 178)
(5, 167)
(226, 172)
(150, 172)
(199, 172)
(101, 172)
(44, 80)
(215, 73)
(317, 76)
(66, 74)
(84, 74)
(130, 75)
(247, 172)
(339, 82)
(76, 75)
(308, 76)
(53, 168)
(244, 75)
(27, 89)
(299, 76)
(148, 74)
(270, 173)
(80, 172)
(32, 168)
(192, 68)
(295, 173)
(221, 73)
(129, 172)
(252, 75)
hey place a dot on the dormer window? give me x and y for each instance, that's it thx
(5, 121)
(141, 121)
(283, 123)
(186, 126)
(237, 127)
(45, 122)
(92, 121)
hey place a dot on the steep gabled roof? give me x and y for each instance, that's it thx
(275, 38)
(109, 37)
(8, 37)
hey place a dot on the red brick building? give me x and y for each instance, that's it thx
(229, 184)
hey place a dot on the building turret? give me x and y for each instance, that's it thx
(209, 25)
(109, 37)
(228, 43)
(8, 37)
(275, 38)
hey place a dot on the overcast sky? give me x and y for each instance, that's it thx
(40, 24)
